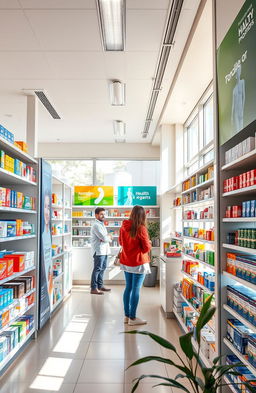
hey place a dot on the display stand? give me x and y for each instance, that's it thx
(61, 241)
(83, 217)
(29, 242)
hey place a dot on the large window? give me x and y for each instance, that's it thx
(208, 121)
(108, 172)
(193, 134)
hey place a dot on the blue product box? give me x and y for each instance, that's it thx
(5, 134)
(11, 335)
(1, 131)
(3, 348)
(248, 208)
(253, 208)
(243, 209)
(15, 331)
(11, 228)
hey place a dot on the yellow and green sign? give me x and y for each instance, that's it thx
(94, 195)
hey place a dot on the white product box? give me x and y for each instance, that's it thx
(3, 228)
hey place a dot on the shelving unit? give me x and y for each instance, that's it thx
(81, 236)
(230, 225)
(62, 241)
(27, 242)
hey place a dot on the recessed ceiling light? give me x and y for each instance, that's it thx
(117, 93)
(112, 24)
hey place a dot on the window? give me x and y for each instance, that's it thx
(75, 172)
(122, 173)
(193, 139)
(208, 121)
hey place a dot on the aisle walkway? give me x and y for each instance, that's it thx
(82, 350)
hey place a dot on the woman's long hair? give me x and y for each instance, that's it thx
(138, 218)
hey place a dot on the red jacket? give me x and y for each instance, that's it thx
(134, 250)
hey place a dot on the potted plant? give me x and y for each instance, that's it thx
(212, 379)
(154, 235)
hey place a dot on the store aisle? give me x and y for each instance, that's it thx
(83, 351)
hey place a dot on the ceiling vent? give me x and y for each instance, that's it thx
(45, 101)
(166, 46)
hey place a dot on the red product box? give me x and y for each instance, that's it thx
(244, 180)
(9, 267)
(236, 211)
(241, 181)
(30, 299)
(248, 178)
(8, 197)
(228, 212)
(236, 182)
(252, 177)
(225, 185)
(3, 269)
(18, 262)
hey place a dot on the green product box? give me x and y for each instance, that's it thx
(2, 158)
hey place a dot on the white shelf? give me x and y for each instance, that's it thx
(198, 186)
(176, 207)
(240, 356)
(68, 219)
(57, 304)
(58, 277)
(10, 148)
(107, 218)
(12, 238)
(241, 162)
(196, 239)
(189, 304)
(7, 178)
(57, 219)
(85, 226)
(239, 317)
(66, 233)
(203, 201)
(238, 248)
(15, 350)
(68, 208)
(58, 255)
(240, 280)
(177, 188)
(239, 219)
(18, 274)
(57, 206)
(81, 236)
(16, 210)
(60, 235)
(200, 220)
(199, 261)
(241, 191)
(196, 282)
(180, 320)
(17, 317)
(199, 171)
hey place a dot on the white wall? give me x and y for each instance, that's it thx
(96, 150)
(226, 11)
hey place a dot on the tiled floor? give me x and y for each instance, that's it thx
(83, 349)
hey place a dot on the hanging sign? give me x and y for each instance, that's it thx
(236, 64)
(94, 195)
(131, 196)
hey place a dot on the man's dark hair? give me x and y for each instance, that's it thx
(99, 209)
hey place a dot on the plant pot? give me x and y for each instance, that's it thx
(150, 279)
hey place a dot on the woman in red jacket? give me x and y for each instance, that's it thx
(134, 260)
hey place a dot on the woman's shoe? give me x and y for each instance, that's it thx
(126, 319)
(136, 321)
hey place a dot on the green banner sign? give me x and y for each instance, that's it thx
(236, 67)
(131, 196)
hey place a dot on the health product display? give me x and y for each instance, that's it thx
(206, 213)
(198, 195)
(11, 228)
(198, 251)
(239, 150)
(242, 266)
(13, 262)
(17, 167)
(193, 293)
(244, 375)
(176, 202)
(243, 301)
(15, 199)
(199, 233)
(246, 179)
(197, 180)
(205, 278)
(244, 237)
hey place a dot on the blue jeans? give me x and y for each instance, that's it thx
(132, 293)
(100, 264)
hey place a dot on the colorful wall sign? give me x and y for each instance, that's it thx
(131, 196)
(236, 65)
(94, 195)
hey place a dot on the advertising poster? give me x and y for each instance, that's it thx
(45, 272)
(236, 65)
(94, 195)
(131, 196)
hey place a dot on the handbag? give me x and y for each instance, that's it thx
(117, 258)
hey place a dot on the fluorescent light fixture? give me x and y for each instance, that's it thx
(112, 24)
(119, 129)
(117, 93)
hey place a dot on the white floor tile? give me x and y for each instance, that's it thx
(102, 371)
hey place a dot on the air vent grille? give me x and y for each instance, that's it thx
(42, 97)
(167, 44)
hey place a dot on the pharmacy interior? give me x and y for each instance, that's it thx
(196, 180)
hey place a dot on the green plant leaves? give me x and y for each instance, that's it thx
(160, 340)
(186, 344)
(169, 382)
(205, 316)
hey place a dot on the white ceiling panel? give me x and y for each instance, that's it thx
(58, 4)
(77, 65)
(144, 29)
(140, 65)
(66, 29)
(24, 65)
(9, 4)
(148, 4)
(15, 32)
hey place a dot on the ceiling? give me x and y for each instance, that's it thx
(55, 45)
